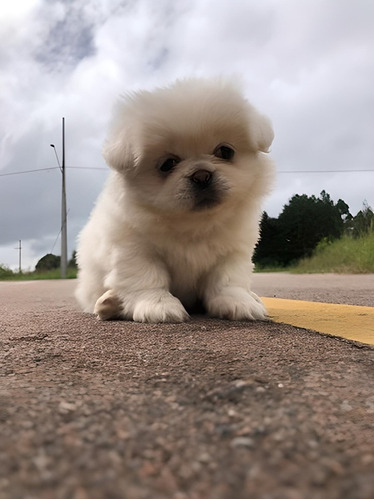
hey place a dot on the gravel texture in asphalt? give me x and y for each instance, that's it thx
(205, 409)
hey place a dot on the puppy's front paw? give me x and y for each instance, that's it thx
(161, 307)
(235, 303)
(108, 306)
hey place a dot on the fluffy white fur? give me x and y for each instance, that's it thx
(178, 219)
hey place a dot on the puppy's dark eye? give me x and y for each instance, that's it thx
(168, 164)
(224, 152)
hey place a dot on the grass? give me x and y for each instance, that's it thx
(347, 255)
(270, 269)
(7, 274)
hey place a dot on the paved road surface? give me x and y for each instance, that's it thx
(354, 289)
(210, 408)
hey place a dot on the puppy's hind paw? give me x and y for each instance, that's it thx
(108, 306)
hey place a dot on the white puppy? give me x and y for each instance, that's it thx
(178, 219)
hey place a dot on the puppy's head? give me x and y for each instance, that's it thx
(196, 145)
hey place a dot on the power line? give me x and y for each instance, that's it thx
(29, 171)
(54, 244)
(88, 168)
(324, 171)
(51, 168)
(57, 237)
(278, 172)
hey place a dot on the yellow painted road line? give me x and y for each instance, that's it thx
(350, 322)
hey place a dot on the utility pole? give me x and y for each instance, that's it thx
(19, 248)
(64, 241)
(19, 257)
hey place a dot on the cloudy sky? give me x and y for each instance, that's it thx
(308, 64)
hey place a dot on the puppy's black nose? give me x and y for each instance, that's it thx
(202, 178)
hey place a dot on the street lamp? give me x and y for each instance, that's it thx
(64, 242)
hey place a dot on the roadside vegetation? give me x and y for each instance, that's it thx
(311, 235)
(316, 235)
(347, 255)
(7, 274)
(47, 268)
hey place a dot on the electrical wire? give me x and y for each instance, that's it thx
(278, 172)
(29, 171)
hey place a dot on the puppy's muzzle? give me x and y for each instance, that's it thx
(201, 179)
(206, 191)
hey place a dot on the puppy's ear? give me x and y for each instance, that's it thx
(261, 131)
(118, 154)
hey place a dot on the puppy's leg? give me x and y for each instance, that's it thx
(236, 303)
(227, 292)
(108, 306)
(90, 287)
(141, 292)
(158, 306)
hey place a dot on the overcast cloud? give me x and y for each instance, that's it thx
(308, 65)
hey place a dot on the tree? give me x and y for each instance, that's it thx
(72, 264)
(267, 249)
(363, 222)
(303, 223)
(49, 261)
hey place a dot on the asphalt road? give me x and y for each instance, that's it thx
(354, 289)
(206, 409)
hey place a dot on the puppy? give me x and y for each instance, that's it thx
(177, 221)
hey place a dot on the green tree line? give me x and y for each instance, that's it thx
(303, 223)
